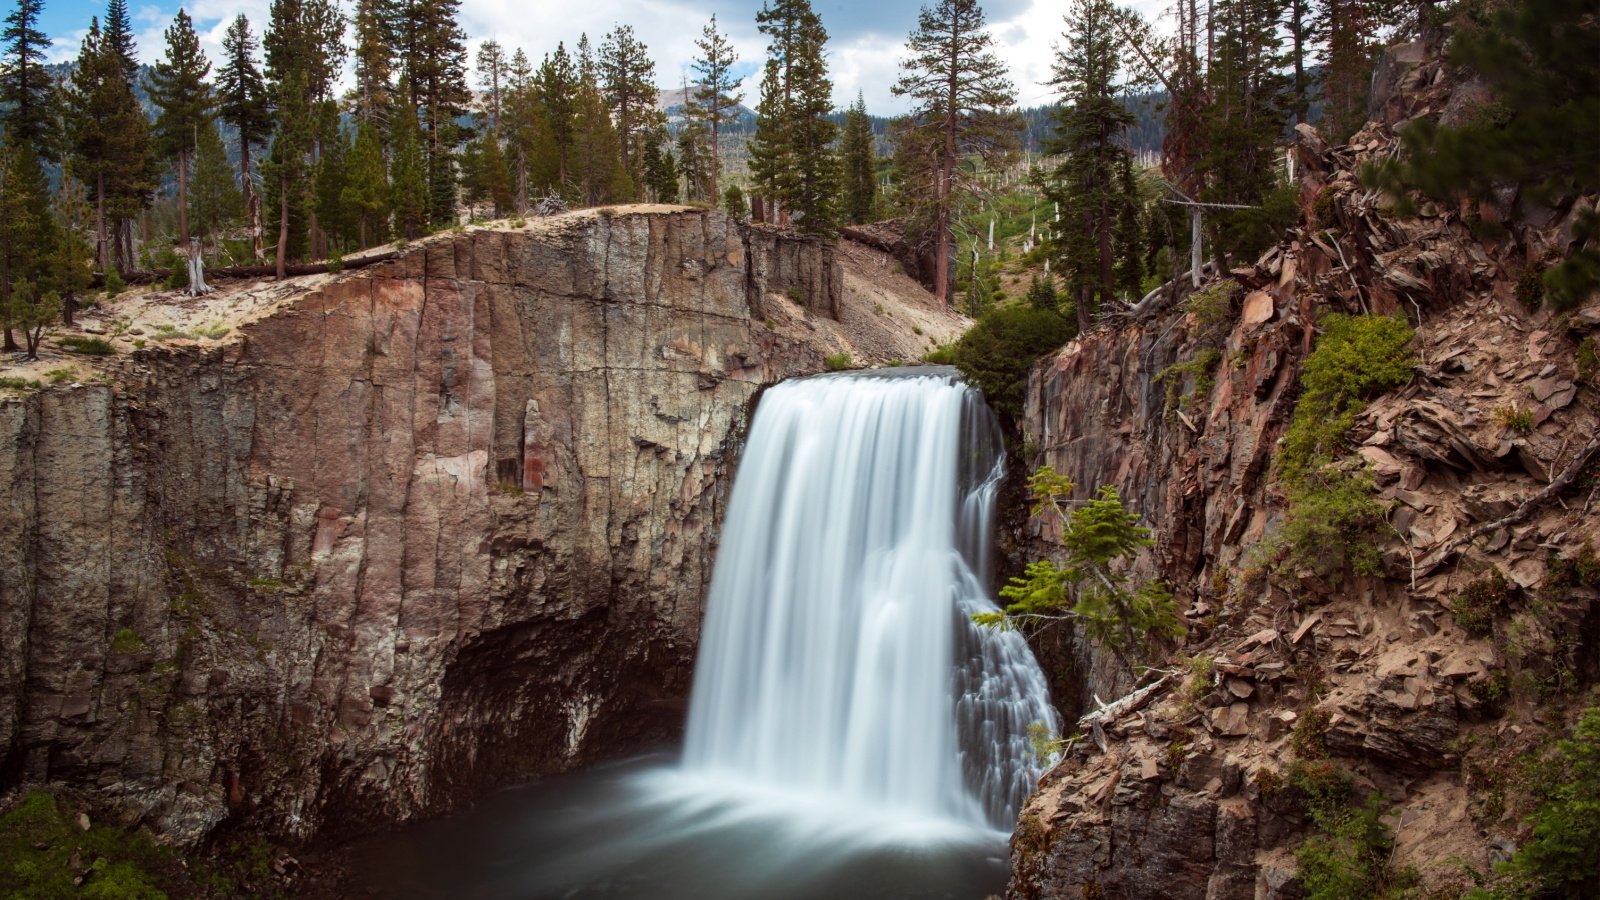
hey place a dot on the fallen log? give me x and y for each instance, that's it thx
(235, 272)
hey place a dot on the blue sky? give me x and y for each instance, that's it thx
(866, 38)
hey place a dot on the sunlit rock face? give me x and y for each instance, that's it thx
(434, 524)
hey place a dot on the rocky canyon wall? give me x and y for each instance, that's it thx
(428, 526)
(1288, 673)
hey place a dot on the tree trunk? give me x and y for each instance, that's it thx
(283, 225)
(10, 343)
(183, 197)
(101, 254)
(947, 166)
(716, 166)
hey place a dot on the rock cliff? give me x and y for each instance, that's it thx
(406, 532)
(1485, 466)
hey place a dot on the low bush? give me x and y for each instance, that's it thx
(838, 361)
(1356, 358)
(88, 346)
(996, 353)
(1481, 602)
(1331, 522)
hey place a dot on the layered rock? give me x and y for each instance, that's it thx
(427, 526)
(1191, 794)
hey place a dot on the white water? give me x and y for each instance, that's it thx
(839, 672)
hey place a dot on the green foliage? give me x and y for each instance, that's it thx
(1212, 308)
(125, 641)
(1091, 587)
(13, 383)
(942, 355)
(996, 353)
(1331, 522)
(1514, 419)
(1349, 856)
(1201, 371)
(88, 346)
(1355, 358)
(114, 284)
(38, 841)
(1587, 360)
(1483, 601)
(733, 203)
(837, 361)
(1042, 292)
(859, 163)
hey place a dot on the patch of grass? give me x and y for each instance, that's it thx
(61, 376)
(1514, 419)
(125, 641)
(838, 361)
(1481, 602)
(508, 488)
(944, 355)
(267, 584)
(916, 329)
(19, 384)
(87, 345)
(212, 330)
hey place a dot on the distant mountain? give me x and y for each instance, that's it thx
(673, 101)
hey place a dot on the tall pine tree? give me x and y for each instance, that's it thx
(242, 102)
(715, 101)
(792, 154)
(628, 83)
(179, 90)
(860, 164)
(959, 89)
(25, 89)
(109, 138)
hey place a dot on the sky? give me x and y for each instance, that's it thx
(866, 37)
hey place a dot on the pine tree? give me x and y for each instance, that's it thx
(242, 103)
(119, 40)
(71, 265)
(792, 157)
(492, 80)
(214, 199)
(714, 99)
(597, 170)
(768, 147)
(25, 89)
(1350, 48)
(558, 89)
(27, 238)
(366, 189)
(692, 163)
(660, 169)
(860, 164)
(288, 166)
(435, 77)
(1090, 125)
(179, 90)
(333, 176)
(109, 138)
(373, 96)
(959, 88)
(408, 174)
(1243, 123)
(628, 82)
(495, 177)
(533, 157)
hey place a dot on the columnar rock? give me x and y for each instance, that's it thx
(437, 523)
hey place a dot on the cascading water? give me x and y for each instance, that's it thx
(838, 658)
(852, 734)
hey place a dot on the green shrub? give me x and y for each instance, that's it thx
(177, 278)
(1202, 369)
(1587, 361)
(1212, 308)
(1356, 358)
(1331, 523)
(942, 355)
(19, 384)
(114, 283)
(61, 376)
(996, 353)
(1349, 856)
(125, 641)
(837, 361)
(1559, 860)
(1514, 419)
(1481, 602)
(336, 263)
(88, 346)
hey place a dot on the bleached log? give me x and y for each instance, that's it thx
(1109, 713)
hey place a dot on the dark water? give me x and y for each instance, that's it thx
(645, 830)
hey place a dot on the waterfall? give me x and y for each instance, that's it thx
(838, 661)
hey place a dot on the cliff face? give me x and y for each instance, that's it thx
(1191, 791)
(432, 524)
